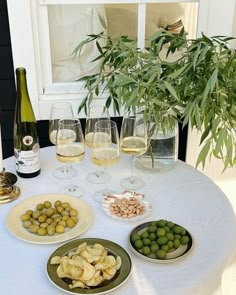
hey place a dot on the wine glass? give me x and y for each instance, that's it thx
(105, 149)
(133, 141)
(70, 149)
(59, 110)
(95, 114)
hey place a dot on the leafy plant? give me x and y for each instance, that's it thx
(198, 88)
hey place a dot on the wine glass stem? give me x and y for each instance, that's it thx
(105, 182)
(132, 178)
(66, 169)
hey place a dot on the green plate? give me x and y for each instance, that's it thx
(173, 256)
(114, 249)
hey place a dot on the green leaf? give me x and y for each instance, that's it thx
(102, 21)
(196, 56)
(210, 84)
(108, 102)
(220, 140)
(178, 72)
(205, 133)
(171, 90)
(83, 104)
(99, 47)
(203, 154)
(123, 80)
(133, 97)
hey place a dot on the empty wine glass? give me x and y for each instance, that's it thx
(59, 110)
(133, 142)
(105, 149)
(95, 114)
(70, 149)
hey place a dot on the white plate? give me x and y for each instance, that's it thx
(14, 223)
(108, 200)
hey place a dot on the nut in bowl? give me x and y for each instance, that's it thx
(129, 206)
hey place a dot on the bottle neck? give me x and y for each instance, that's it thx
(24, 107)
(22, 89)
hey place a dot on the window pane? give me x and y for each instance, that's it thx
(70, 24)
(122, 19)
(164, 15)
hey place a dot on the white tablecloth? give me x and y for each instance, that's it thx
(181, 194)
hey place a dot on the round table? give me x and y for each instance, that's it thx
(181, 194)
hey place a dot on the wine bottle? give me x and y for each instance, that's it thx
(26, 143)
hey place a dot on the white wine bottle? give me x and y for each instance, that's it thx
(26, 143)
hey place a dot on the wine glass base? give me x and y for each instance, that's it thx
(74, 190)
(98, 177)
(100, 195)
(64, 172)
(132, 183)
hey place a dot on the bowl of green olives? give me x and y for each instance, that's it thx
(160, 241)
(49, 218)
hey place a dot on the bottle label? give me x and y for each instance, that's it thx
(27, 140)
(27, 161)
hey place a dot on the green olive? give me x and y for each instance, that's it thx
(36, 214)
(70, 222)
(62, 222)
(60, 209)
(27, 223)
(40, 207)
(30, 212)
(65, 204)
(50, 211)
(57, 203)
(73, 212)
(75, 219)
(51, 230)
(65, 217)
(54, 223)
(25, 217)
(60, 229)
(42, 218)
(42, 231)
(55, 215)
(47, 204)
(36, 222)
(49, 220)
(44, 225)
(33, 228)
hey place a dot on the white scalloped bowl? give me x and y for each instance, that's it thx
(108, 200)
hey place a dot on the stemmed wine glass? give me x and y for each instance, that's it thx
(70, 148)
(95, 114)
(133, 141)
(60, 110)
(105, 149)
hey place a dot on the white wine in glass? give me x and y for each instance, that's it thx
(95, 113)
(105, 149)
(133, 142)
(70, 149)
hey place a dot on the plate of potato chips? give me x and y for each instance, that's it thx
(89, 266)
(49, 218)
